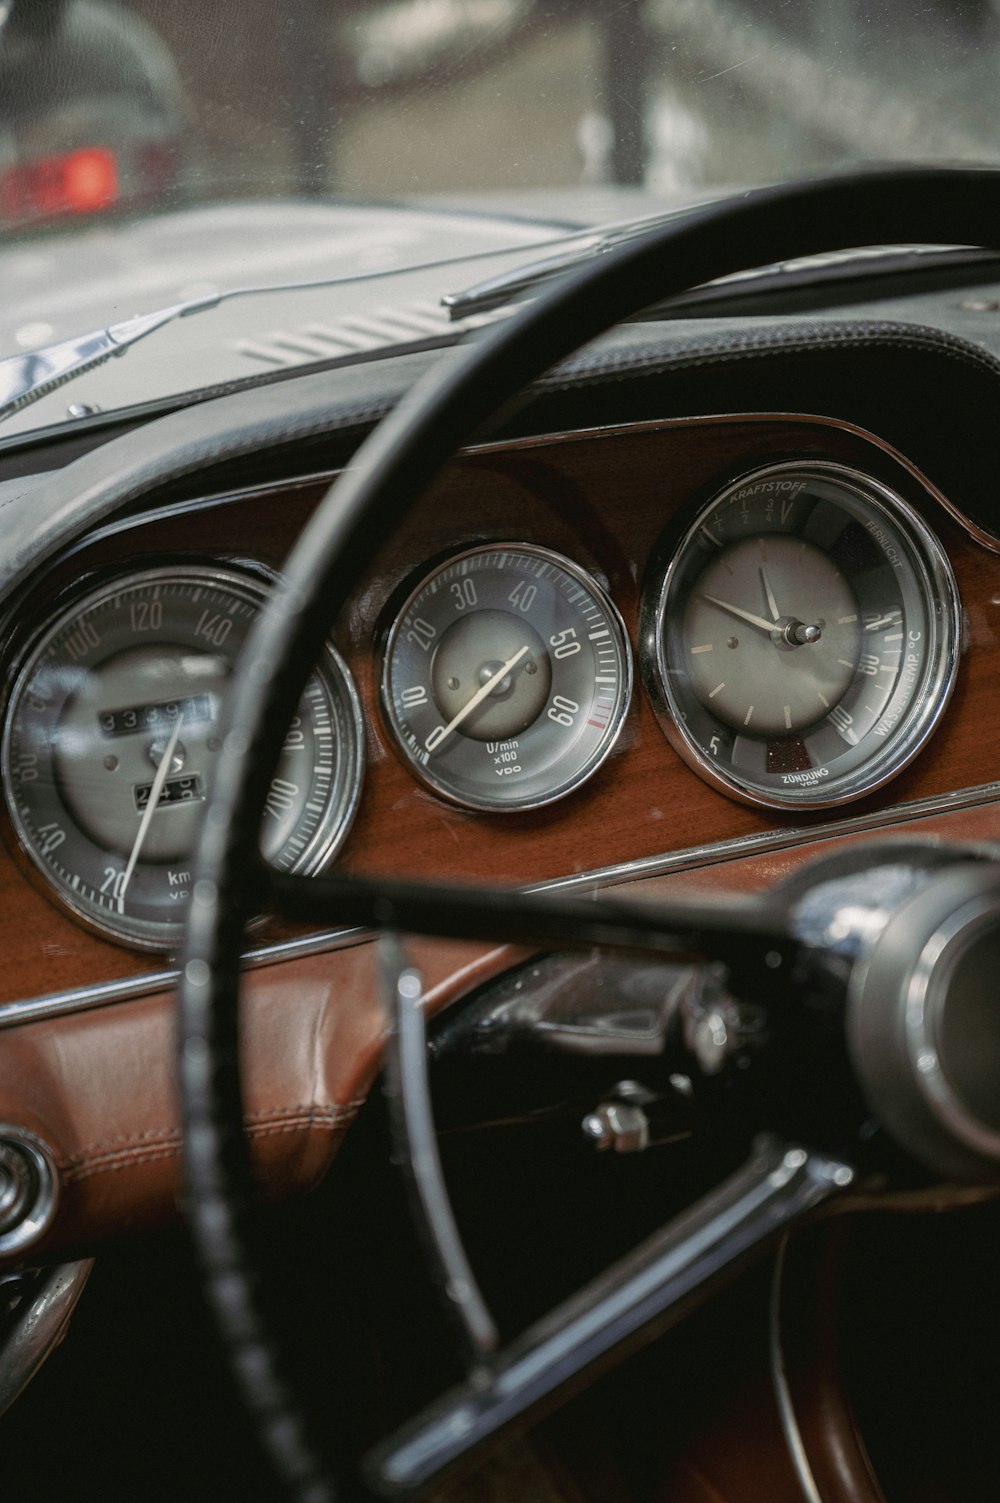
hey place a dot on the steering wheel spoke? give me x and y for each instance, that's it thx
(640, 1296)
(748, 934)
(780, 1184)
(407, 1090)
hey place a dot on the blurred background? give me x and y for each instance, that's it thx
(106, 107)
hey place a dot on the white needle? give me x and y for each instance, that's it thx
(772, 604)
(437, 736)
(735, 610)
(150, 809)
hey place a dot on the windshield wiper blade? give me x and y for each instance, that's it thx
(495, 292)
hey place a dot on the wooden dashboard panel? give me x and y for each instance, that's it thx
(603, 499)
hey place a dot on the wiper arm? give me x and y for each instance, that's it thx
(506, 287)
(495, 292)
(26, 378)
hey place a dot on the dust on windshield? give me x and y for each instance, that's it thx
(148, 105)
(157, 153)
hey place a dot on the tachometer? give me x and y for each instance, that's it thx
(801, 642)
(110, 735)
(506, 677)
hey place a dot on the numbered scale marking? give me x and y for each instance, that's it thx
(111, 732)
(506, 678)
(801, 640)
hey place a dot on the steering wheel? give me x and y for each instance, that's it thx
(775, 952)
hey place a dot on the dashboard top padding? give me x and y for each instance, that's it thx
(40, 516)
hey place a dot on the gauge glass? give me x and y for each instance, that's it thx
(110, 736)
(506, 677)
(802, 642)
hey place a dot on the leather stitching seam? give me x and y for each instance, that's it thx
(119, 1153)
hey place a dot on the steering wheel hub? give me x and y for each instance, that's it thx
(924, 1024)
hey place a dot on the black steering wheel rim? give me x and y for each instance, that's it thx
(443, 411)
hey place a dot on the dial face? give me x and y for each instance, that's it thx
(506, 677)
(803, 639)
(111, 733)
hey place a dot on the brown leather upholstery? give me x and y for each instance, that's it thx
(98, 1086)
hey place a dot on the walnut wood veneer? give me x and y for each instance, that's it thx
(603, 499)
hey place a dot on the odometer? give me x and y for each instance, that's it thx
(506, 677)
(801, 640)
(111, 731)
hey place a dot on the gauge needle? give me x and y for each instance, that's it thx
(772, 604)
(150, 809)
(437, 736)
(735, 610)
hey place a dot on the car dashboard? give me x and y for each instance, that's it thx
(684, 493)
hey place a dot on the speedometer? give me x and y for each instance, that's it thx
(801, 640)
(506, 677)
(111, 731)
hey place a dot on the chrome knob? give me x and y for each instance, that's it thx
(18, 1185)
(28, 1187)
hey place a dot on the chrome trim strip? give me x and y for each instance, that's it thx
(782, 1392)
(103, 993)
(770, 840)
(57, 1004)
(172, 509)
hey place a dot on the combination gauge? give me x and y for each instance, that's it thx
(800, 638)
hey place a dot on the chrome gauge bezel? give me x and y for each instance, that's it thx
(929, 567)
(95, 591)
(605, 745)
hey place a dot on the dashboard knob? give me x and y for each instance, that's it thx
(17, 1186)
(28, 1188)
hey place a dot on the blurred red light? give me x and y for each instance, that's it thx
(76, 182)
(90, 180)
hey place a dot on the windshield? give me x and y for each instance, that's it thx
(154, 151)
